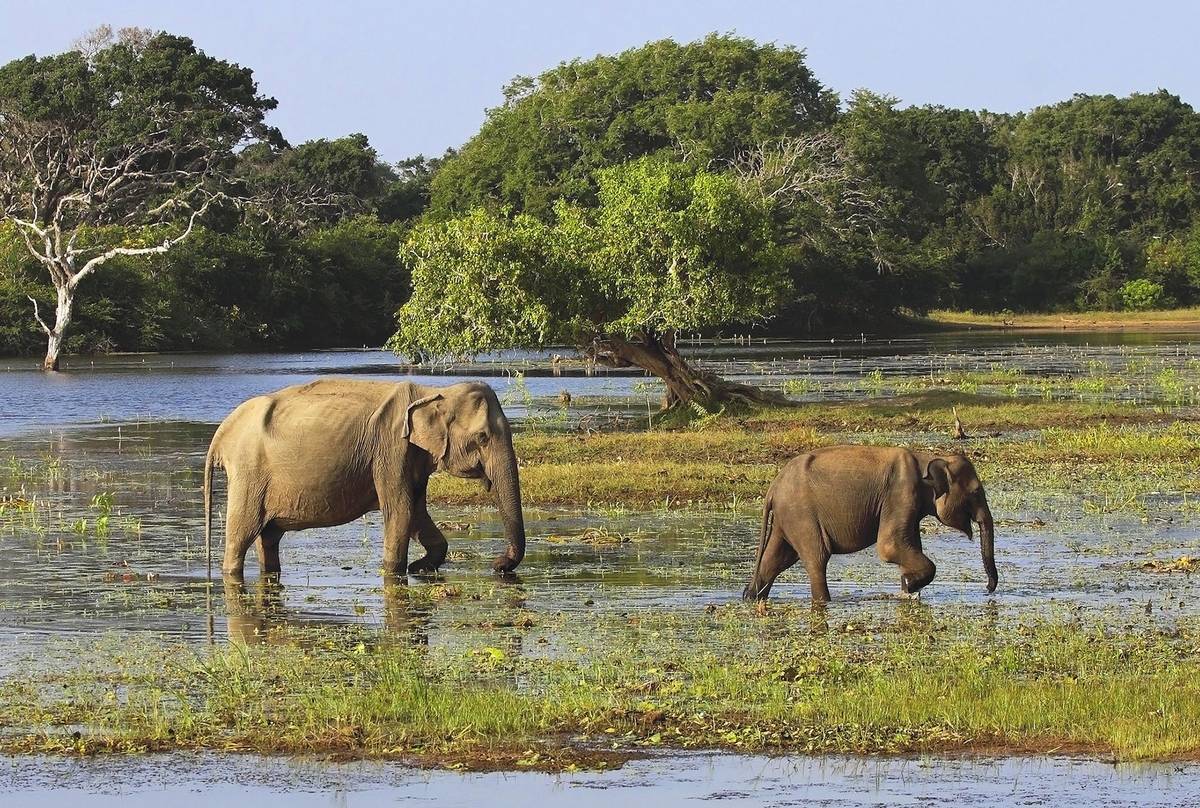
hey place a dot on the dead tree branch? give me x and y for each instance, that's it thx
(816, 172)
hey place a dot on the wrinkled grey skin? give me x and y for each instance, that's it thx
(842, 499)
(327, 452)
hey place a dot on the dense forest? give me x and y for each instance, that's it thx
(843, 211)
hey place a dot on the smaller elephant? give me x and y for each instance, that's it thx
(842, 499)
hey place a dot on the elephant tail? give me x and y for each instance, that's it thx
(768, 520)
(210, 460)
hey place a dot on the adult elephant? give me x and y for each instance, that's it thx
(327, 452)
(842, 499)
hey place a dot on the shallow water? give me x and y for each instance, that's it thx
(148, 573)
(204, 387)
(726, 780)
(137, 427)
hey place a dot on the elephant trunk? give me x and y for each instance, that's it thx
(506, 486)
(987, 545)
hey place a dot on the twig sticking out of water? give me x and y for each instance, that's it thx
(959, 433)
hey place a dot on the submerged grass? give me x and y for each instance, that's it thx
(773, 680)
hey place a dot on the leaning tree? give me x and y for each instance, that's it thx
(667, 249)
(118, 148)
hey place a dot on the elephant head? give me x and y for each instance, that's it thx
(956, 497)
(466, 433)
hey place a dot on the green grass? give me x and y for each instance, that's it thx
(779, 680)
(1045, 446)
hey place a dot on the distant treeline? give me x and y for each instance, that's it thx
(1093, 202)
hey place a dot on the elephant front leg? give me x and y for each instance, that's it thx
(903, 548)
(400, 504)
(916, 572)
(397, 528)
(433, 541)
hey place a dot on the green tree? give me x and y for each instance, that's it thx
(709, 100)
(358, 282)
(408, 196)
(1081, 188)
(667, 249)
(854, 206)
(1174, 263)
(324, 179)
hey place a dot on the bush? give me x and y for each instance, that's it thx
(1142, 294)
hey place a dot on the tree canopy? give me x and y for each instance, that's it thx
(709, 99)
(141, 133)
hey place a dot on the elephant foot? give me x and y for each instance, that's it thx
(505, 565)
(424, 566)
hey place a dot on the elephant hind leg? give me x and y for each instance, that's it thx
(268, 549)
(777, 556)
(817, 582)
(243, 524)
(239, 535)
(434, 543)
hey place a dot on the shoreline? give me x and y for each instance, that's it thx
(937, 321)
(1150, 322)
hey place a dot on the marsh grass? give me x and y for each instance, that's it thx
(771, 680)
(1040, 448)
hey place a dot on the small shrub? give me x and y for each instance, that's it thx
(1142, 295)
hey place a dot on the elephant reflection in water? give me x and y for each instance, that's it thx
(912, 617)
(256, 615)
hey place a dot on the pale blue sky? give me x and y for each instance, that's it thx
(417, 76)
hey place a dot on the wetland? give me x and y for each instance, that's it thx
(623, 642)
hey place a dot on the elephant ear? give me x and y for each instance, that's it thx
(938, 477)
(426, 426)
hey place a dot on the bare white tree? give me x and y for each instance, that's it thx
(94, 42)
(126, 164)
(59, 184)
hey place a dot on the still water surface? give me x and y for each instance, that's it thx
(205, 387)
(182, 781)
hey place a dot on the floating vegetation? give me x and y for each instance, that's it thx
(597, 537)
(447, 524)
(1188, 564)
(15, 503)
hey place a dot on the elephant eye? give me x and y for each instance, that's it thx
(482, 439)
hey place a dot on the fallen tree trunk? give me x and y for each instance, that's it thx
(658, 355)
